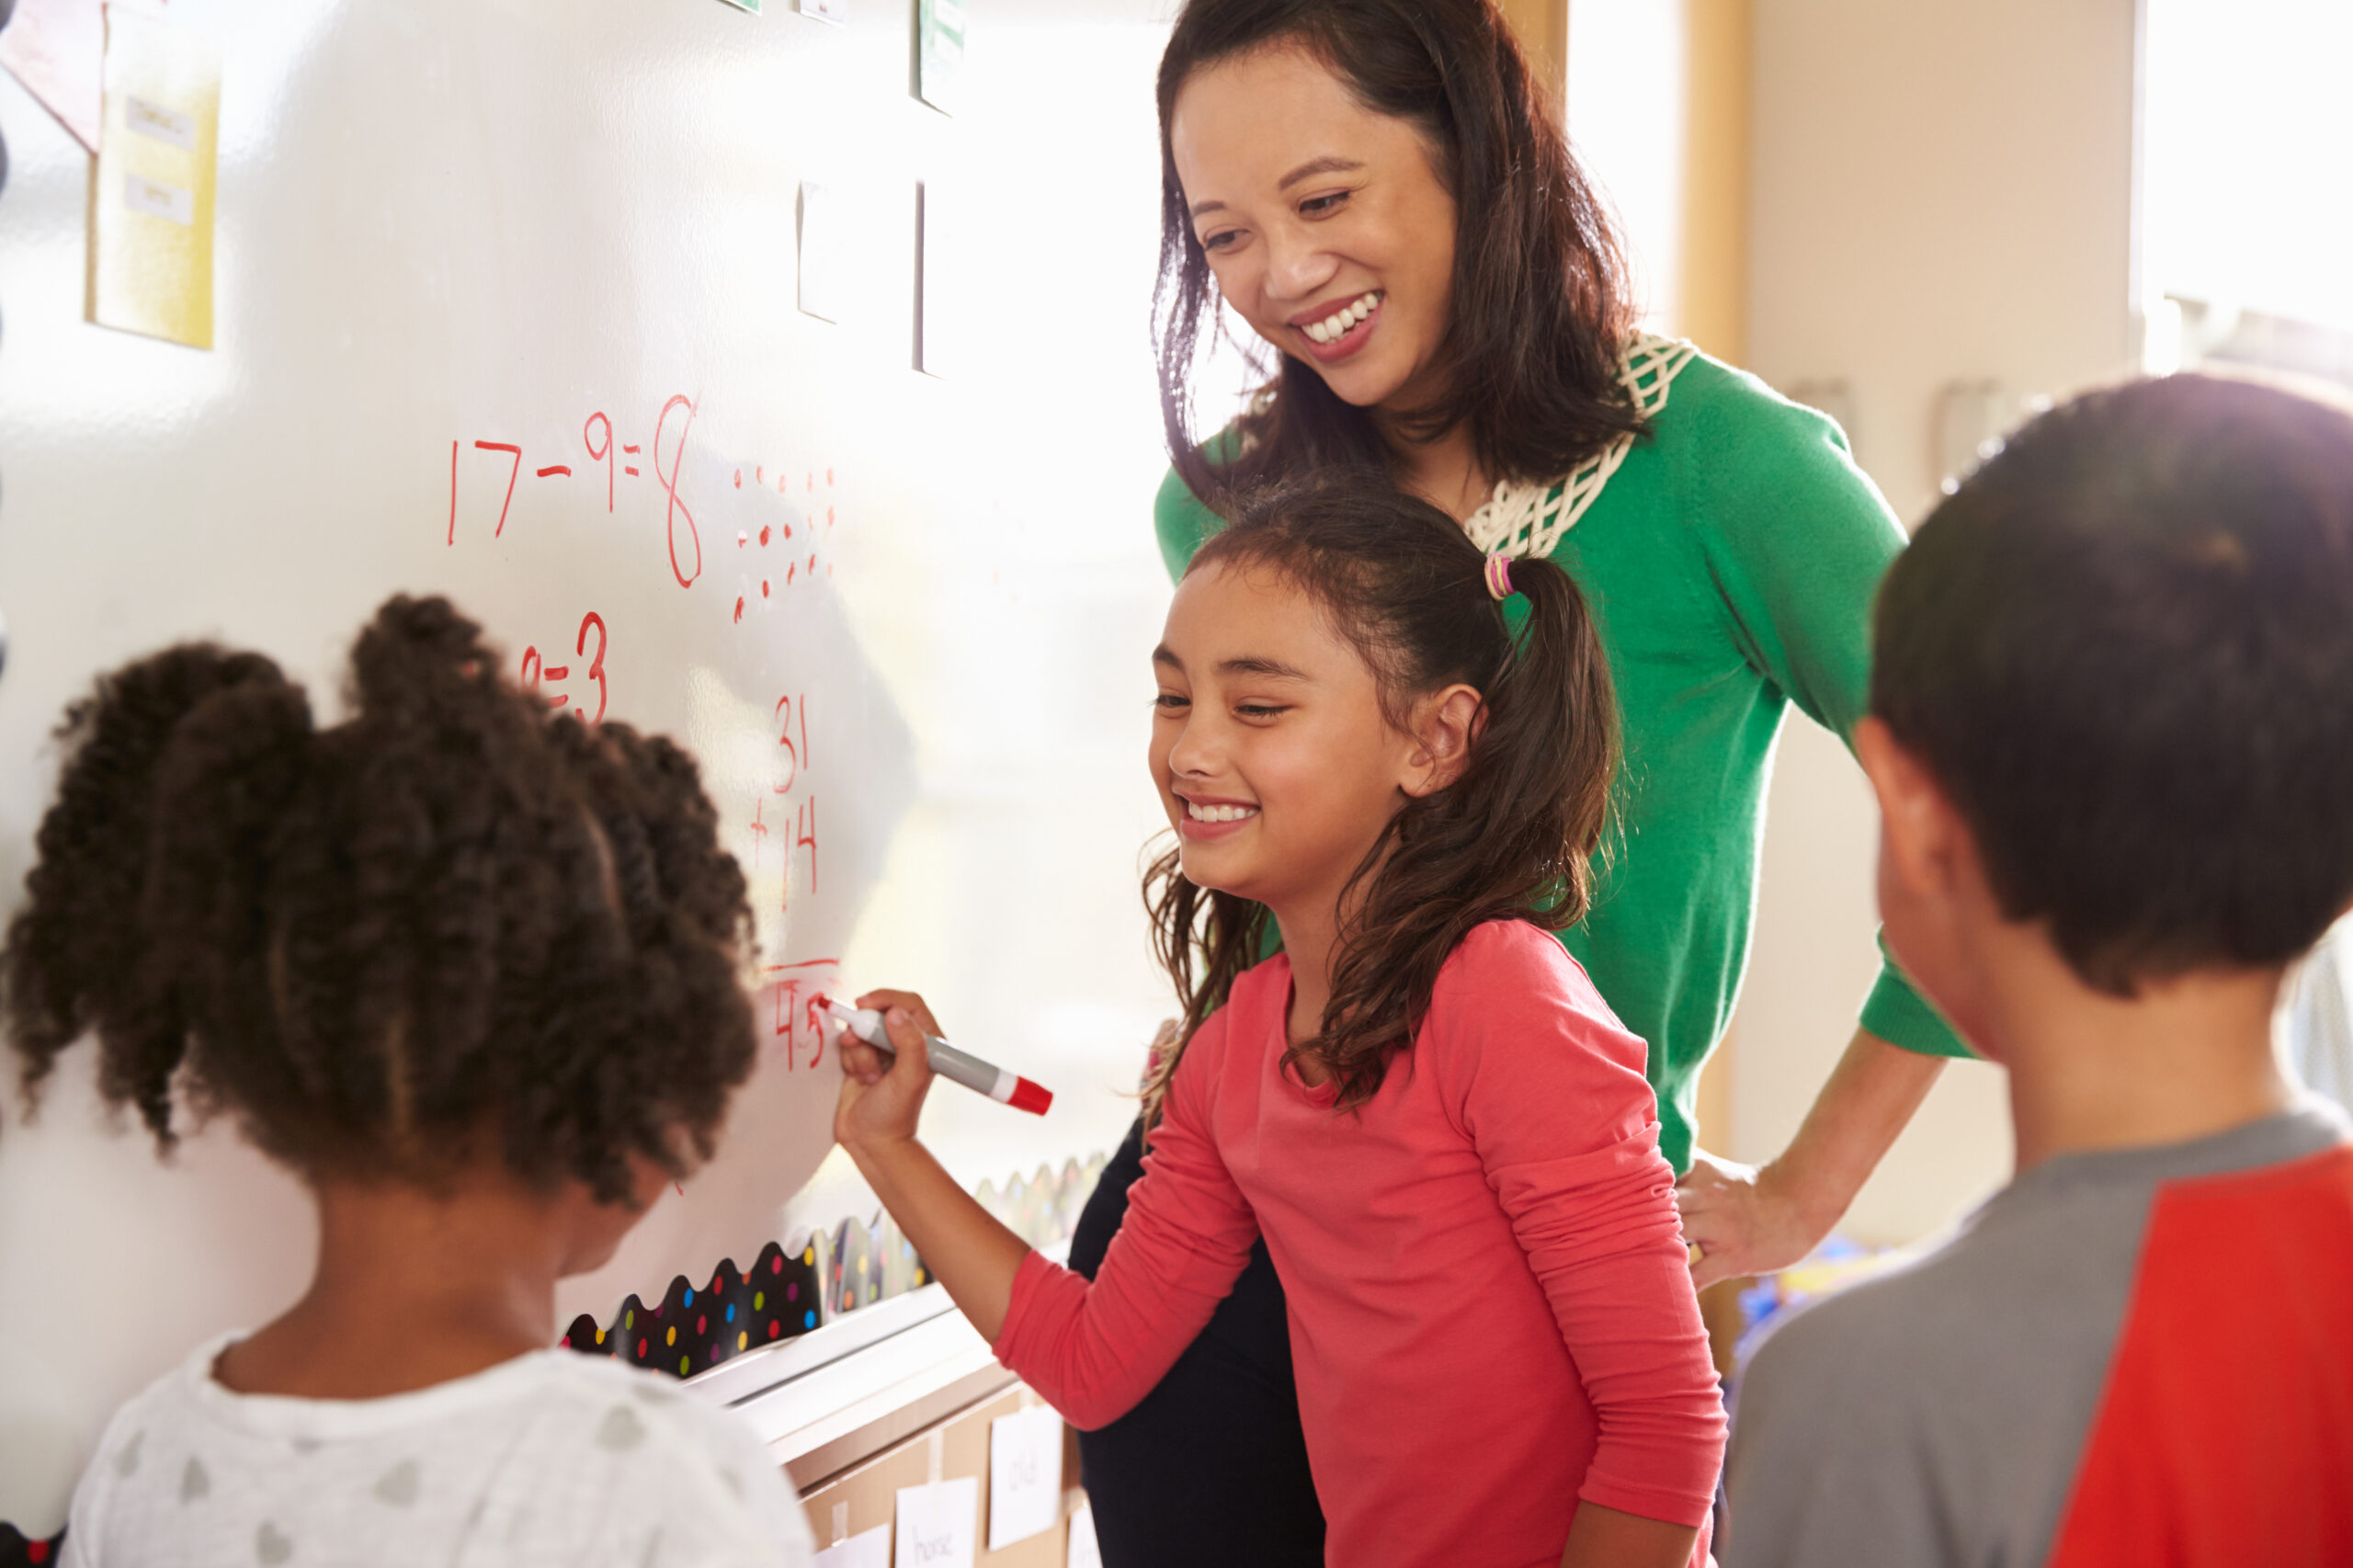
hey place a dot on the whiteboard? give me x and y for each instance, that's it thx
(903, 620)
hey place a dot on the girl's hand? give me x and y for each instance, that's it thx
(881, 1098)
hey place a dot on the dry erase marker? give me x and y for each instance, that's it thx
(1006, 1088)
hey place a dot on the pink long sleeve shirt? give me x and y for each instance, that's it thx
(1491, 1311)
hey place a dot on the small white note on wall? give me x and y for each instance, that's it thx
(945, 308)
(938, 1523)
(1084, 1551)
(1025, 1475)
(867, 1549)
(836, 11)
(823, 243)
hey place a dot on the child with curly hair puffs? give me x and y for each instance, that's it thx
(472, 972)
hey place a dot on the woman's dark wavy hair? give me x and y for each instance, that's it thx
(1511, 838)
(1542, 307)
(453, 926)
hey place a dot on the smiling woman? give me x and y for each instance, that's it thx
(1436, 300)
(1398, 234)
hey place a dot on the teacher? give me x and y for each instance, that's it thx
(1375, 187)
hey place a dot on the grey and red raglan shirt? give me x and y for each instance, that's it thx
(2140, 1356)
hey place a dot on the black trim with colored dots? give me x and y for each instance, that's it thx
(18, 1551)
(696, 1327)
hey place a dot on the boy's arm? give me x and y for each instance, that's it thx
(1093, 1350)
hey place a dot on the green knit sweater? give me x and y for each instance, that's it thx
(1729, 562)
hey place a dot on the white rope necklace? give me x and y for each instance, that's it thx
(1527, 520)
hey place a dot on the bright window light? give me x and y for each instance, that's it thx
(2248, 160)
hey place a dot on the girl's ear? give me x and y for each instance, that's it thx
(1445, 723)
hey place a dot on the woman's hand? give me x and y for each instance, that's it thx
(882, 1096)
(1744, 1220)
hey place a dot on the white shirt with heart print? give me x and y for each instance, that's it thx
(552, 1457)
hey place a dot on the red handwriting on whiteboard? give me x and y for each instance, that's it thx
(677, 508)
(798, 1025)
(600, 453)
(804, 838)
(795, 756)
(589, 674)
(792, 557)
(795, 827)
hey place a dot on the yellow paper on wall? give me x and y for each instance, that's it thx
(150, 212)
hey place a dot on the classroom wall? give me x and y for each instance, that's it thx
(446, 224)
(1937, 193)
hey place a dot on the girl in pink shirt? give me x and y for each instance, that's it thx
(1421, 1102)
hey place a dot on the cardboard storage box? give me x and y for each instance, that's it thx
(866, 1493)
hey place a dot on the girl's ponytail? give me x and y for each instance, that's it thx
(175, 770)
(1513, 837)
(1549, 747)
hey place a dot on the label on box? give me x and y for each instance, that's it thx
(938, 1524)
(1025, 1475)
(1084, 1550)
(153, 120)
(867, 1549)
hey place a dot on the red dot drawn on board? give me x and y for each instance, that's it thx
(739, 478)
(676, 507)
(764, 587)
(765, 532)
(739, 609)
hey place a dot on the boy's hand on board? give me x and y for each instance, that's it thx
(881, 1097)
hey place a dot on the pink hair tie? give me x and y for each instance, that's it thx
(1499, 576)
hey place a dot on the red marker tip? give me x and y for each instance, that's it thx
(1029, 1096)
